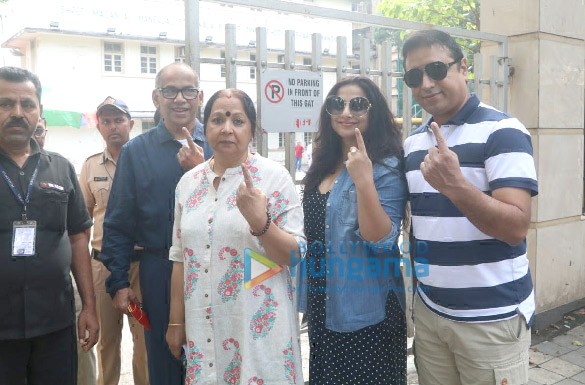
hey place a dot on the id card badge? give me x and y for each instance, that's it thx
(23, 238)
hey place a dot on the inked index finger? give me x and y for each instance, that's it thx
(189, 138)
(361, 145)
(247, 177)
(441, 142)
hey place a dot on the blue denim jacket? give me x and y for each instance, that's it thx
(360, 274)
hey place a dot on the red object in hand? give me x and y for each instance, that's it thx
(139, 314)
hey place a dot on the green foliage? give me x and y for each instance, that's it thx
(462, 14)
(450, 13)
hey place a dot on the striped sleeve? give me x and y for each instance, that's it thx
(508, 157)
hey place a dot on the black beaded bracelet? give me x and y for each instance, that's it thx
(266, 227)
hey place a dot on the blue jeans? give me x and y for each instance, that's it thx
(155, 284)
(298, 163)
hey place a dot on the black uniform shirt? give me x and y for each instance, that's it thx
(36, 296)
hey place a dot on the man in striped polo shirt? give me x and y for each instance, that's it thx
(471, 176)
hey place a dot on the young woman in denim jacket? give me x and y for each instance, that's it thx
(350, 283)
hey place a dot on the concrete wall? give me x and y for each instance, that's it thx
(547, 92)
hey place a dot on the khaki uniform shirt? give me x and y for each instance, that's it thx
(95, 180)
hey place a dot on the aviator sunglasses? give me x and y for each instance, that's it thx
(358, 106)
(436, 70)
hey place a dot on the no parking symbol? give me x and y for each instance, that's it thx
(274, 91)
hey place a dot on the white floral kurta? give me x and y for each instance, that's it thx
(235, 335)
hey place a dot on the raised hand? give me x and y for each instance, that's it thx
(190, 155)
(359, 165)
(440, 167)
(251, 202)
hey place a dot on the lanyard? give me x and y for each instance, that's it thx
(17, 194)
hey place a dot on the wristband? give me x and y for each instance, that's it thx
(266, 227)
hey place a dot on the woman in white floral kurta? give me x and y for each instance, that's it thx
(235, 335)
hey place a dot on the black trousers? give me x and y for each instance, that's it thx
(50, 359)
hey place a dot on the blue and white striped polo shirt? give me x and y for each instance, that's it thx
(472, 277)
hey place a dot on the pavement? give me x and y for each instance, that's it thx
(560, 360)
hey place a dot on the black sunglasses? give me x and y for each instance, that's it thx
(436, 70)
(358, 106)
(172, 92)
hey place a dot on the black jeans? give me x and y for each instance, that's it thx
(50, 359)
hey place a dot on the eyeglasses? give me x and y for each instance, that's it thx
(172, 92)
(436, 70)
(358, 106)
(40, 132)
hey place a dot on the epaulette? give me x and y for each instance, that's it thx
(91, 156)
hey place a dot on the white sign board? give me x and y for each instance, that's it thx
(291, 101)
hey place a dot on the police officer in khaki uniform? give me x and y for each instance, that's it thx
(97, 173)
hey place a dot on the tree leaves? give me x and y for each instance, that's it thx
(462, 14)
(450, 13)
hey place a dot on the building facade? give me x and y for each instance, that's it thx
(84, 51)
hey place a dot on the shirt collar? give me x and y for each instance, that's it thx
(164, 135)
(162, 132)
(107, 157)
(462, 115)
(35, 148)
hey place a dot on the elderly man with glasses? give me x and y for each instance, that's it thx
(471, 175)
(140, 209)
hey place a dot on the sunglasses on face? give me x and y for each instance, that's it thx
(436, 70)
(172, 92)
(358, 106)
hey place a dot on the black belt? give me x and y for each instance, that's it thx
(96, 254)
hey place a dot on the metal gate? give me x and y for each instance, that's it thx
(496, 83)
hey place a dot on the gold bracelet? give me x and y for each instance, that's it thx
(176, 324)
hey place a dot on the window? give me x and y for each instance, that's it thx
(222, 67)
(180, 54)
(281, 140)
(307, 61)
(147, 59)
(252, 69)
(361, 7)
(113, 57)
(307, 138)
(280, 58)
